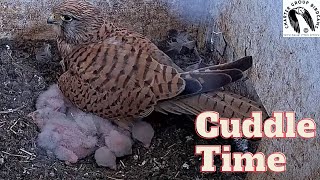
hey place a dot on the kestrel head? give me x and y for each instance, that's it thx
(74, 20)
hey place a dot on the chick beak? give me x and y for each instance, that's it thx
(52, 19)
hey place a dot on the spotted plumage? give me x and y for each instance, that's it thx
(121, 75)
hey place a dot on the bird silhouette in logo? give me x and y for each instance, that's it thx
(294, 20)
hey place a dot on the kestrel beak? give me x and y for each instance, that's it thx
(52, 19)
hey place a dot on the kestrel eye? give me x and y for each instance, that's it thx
(66, 18)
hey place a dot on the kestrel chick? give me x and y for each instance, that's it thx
(119, 144)
(104, 157)
(121, 75)
(62, 136)
(52, 98)
(143, 132)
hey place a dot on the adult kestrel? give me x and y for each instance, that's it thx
(122, 76)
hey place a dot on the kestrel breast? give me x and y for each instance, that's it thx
(118, 78)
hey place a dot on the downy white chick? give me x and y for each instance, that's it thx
(85, 121)
(62, 136)
(72, 134)
(52, 98)
(104, 157)
(143, 132)
(119, 144)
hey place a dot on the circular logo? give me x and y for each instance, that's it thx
(301, 16)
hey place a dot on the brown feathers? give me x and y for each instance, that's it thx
(121, 75)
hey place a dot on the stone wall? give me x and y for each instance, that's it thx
(285, 76)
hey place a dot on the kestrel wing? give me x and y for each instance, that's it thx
(117, 79)
(152, 49)
(228, 105)
(242, 64)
